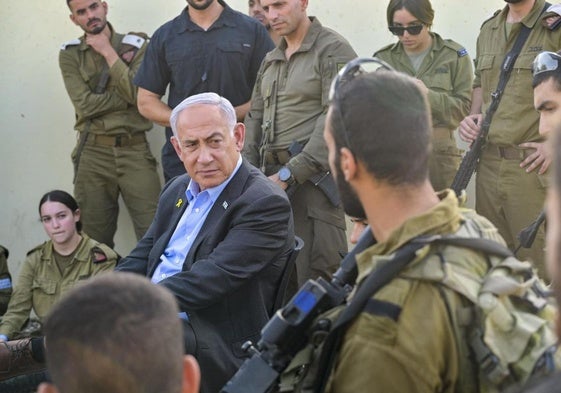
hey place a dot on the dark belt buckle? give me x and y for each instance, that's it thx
(118, 141)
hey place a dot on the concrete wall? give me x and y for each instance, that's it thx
(36, 116)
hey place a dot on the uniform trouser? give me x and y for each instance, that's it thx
(512, 199)
(444, 160)
(322, 227)
(105, 172)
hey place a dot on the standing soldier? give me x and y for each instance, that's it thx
(209, 47)
(443, 71)
(285, 126)
(510, 183)
(112, 156)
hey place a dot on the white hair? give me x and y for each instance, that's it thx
(205, 99)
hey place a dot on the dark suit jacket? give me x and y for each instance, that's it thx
(231, 274)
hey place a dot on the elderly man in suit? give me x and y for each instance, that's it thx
(219, 240)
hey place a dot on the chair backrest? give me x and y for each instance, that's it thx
(286, 273)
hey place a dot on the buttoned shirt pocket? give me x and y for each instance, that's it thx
(485, 69)
(235, 52)
(41, 285)
(439, 79)
(520, 82)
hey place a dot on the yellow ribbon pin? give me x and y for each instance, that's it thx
(179, 202)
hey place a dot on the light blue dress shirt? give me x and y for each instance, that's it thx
(188, 227)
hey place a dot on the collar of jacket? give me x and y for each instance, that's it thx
(307, 44)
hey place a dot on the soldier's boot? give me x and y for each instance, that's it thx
(20, 357)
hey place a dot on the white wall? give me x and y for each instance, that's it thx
(36, 116)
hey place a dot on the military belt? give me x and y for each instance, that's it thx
(276, 157)
(117, 140)
(508, 152)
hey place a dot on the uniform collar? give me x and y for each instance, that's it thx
(226, 18)
(309, 39)
(443, 218)
(529, 20)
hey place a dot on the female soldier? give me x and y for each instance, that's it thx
(53, 267)
(444, 72)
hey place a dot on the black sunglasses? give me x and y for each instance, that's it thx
(412, 29)
(352, 69)
(545, 62)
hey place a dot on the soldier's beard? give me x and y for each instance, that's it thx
(99, 28)
(349, 198)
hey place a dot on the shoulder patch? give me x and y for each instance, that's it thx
(551, 19)
(74, 42)
(134, 40)
(462, 52)
(102, 253)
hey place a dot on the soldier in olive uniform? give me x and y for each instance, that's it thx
(55, 266)
(443, 70)
(5, 280)
(511, 182)
(405, 338)
(112, 156)
(285, 124)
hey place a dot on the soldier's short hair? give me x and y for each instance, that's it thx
(384, 118)
(115, 333)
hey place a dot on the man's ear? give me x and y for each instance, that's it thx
(176, 146)
(47, 387)
(348, 164)
(239, 135)
(191, 375)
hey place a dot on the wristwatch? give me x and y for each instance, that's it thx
(285, 175)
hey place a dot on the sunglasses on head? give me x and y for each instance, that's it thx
(411, 29)
(350, 71)
(545, 62)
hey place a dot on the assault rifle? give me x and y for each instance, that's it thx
(286, 333)
(471, 158)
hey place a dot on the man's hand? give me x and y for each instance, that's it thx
(422, 86)
(470, 127)
(101, 44)
(275, 179)
(540, 157)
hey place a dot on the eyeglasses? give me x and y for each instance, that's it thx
(545, 62)
(350, 71)
(412, 29)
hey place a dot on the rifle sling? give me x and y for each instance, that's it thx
(99, 89)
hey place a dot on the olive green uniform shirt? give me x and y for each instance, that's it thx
(113, 112)
(40, 284)
(446, 71)
(417, 351)
(516, 120)
(290, 100)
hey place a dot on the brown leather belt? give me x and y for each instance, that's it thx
(508, 152)
(276, 157)
(117, 140)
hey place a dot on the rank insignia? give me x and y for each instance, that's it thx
(98, 255)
